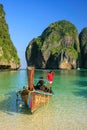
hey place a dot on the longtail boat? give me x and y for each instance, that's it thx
(34, 98)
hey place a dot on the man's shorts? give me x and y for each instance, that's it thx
(50, 82)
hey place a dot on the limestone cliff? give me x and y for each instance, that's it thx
(8, 53)
(83, 46)
(57, 47)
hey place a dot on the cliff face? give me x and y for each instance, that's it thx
(57, 47)
(8, 53)
(83, 46)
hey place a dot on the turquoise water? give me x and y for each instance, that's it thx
(67, 110)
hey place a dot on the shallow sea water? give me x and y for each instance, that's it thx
(67, 109)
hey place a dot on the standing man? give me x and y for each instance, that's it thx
(50, 76)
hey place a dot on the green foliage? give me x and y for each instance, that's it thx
(71, 52)
(64, 28)
(39, 42)
(9, 51)
(56, 50)
(58, 30)
(2, 13)
(54, 33)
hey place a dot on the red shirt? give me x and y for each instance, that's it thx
(50, 76)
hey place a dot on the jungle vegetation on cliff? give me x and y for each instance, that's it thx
(8, 53)
(57, 47)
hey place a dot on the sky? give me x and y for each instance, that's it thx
(27, 19)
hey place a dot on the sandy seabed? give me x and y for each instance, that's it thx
(45, 119)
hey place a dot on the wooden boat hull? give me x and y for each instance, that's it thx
(35, 99)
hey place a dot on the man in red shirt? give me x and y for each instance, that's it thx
(50, 76)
